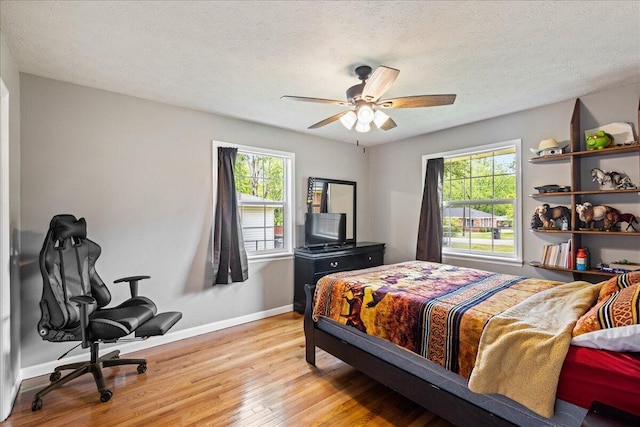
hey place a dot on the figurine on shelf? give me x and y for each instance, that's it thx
(549, 215)
(629, 219)
(625, 183)
(536, 222)
(616, 180)
(600, 176)
(598, 140)
(589, 214)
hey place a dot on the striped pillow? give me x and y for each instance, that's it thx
(613, 323)
(617, 283)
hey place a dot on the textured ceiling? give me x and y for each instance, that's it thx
(236, 58)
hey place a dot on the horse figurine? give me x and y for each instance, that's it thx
(589, 214)
(549, 215)
(601, 176)
(625, 183)
(629, 219)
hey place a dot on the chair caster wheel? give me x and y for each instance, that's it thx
(55, 376)
(36, 405)
(105, 395)
(142, 368)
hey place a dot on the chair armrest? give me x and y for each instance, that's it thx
(133, 283)
(83, 301)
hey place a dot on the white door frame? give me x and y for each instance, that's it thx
(8, 388)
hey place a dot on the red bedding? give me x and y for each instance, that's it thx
(606, 376)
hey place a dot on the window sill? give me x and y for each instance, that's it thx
(269, 257)
(484, 258)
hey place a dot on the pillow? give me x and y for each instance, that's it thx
(612, 324)
(617, 283)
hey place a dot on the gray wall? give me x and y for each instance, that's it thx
(140, 173)
(11, 77)
(396, 185)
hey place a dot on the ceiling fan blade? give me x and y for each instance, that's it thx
(379, 82)
(389, 124)
(417, 101)
(316, 100)
(328, 120)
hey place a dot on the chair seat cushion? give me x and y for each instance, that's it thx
(159, 325)
(119, 321)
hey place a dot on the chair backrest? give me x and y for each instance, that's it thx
(67, 264)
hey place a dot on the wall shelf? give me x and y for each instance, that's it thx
(594, 232)
(592, 271)
(574, 157)
(583, 193)
(584, 153)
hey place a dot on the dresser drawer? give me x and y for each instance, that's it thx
(338, 263)
(371, 259)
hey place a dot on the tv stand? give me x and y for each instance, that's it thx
(310, 264)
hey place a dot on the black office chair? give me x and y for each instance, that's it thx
(73, 306)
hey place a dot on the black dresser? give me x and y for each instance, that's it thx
(311, 264)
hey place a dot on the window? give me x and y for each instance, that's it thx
(264, 193)
(481, 209)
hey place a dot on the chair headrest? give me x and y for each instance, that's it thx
(66, 226)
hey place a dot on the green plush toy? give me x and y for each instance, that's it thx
(598, 140)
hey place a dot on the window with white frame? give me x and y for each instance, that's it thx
(264, 193)
(481, 210)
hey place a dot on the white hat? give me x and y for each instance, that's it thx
(547, 144)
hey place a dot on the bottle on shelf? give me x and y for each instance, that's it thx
(582, 260)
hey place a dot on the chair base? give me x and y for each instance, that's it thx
(94, 366)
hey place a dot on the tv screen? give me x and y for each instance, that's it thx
(325, 229)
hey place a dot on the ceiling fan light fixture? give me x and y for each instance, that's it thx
(379, 118)
(363, 127)
(365, 114)
(349, 119)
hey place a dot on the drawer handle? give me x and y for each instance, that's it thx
(369, 258)
(334, 264)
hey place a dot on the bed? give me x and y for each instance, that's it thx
(419, 327)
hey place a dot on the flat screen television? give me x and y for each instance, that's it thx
(325, 229)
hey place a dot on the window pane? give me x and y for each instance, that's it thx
(481, 165)
(460, 189)
(505, 162)
(505, 187)
(482, 188)
(476, 218)
(261, 183)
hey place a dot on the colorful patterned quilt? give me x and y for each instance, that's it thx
(435, 310)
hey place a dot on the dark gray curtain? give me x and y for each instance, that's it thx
(323, 199)
(429, 247)
(229, 256)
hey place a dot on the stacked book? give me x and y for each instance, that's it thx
(619, 267)
(558, 255)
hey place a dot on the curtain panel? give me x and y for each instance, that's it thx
(430, 229)
(229, 256)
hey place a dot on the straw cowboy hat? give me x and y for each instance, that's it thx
(547, 144)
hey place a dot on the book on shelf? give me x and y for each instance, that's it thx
(557, 255)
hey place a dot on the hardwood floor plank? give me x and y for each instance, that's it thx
(249, 375)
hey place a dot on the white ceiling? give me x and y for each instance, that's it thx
(237, 58)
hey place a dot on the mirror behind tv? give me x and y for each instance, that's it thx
(334, 196)
(325, 230)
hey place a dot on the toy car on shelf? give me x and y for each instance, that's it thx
(552, 188)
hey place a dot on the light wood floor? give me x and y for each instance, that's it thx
(249, 375)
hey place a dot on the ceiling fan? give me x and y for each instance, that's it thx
(364, 100)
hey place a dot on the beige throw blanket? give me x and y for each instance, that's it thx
(522, 350)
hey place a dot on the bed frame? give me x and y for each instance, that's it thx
(441, 402)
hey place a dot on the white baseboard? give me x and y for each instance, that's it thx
(48, 367)
(7, 405)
